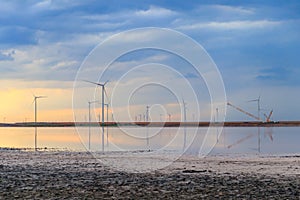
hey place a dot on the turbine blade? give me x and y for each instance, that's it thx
(41, 97)
(32, 93)
(106, 93)
(105, 82)
(108, 98)
(252, 100)
(33, 100)
(93, 101)
(93, 83)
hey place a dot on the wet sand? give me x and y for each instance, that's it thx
(78, 175)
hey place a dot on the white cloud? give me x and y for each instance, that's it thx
(231, 25)
(231, 9)
(125, 17)
(64, 65)
(154, 11)
(144, 35)
(54, 5)
(42, 5)
(42, 62)
(108, 25)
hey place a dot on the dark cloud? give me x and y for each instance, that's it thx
(7, 56)
(279, 76)
(58, 21)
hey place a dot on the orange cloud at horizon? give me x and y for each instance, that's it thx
(16, 105)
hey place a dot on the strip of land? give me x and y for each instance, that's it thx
(157, 124)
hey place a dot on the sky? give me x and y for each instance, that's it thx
(254, 45)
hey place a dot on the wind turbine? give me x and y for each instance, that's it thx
(103, 91)
(258, 114)
(35, 98)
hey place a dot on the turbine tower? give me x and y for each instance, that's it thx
(147, 113)
(184, 127)
(184, 109)
(35, 98)
(258, 105)
(106, 104)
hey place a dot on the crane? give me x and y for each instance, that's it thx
(268, 117)
(245, 112)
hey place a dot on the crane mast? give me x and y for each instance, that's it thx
(268, 118)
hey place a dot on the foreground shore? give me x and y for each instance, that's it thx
(78, 175)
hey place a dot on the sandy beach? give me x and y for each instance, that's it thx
(78, 175)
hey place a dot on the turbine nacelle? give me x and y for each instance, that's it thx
(39, 97)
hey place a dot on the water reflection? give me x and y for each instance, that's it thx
(268, 131)
(245, 140)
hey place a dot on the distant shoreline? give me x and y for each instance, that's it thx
(156, 124)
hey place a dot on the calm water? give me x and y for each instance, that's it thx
(250, 140)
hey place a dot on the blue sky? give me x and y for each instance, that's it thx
(255, 44)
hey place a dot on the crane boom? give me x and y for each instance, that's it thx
(269, 117)
(245, 112)
(240, 141)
